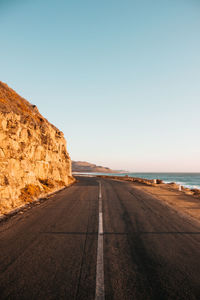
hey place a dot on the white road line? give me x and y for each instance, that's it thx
(101, 223)
(100, 198)
(100, 195)
(100, 293)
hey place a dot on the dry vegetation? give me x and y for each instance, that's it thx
(30, 193)
(10, 101)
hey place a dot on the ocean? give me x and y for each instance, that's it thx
(190, 180)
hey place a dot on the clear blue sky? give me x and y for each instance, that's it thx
(121, 79)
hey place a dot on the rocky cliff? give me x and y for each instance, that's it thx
(33, 156)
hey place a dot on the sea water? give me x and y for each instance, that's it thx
(190, 180)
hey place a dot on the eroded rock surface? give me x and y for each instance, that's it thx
(33, 156)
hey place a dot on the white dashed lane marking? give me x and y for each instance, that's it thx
(100, 293)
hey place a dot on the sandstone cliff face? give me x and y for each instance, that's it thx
(33, 156)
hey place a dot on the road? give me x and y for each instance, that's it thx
(51, 250)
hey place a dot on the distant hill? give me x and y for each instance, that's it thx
(85, 167)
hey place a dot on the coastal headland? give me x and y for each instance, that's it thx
(83, 166)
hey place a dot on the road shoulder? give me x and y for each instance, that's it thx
(185, 205)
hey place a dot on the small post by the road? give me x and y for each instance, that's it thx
(155, 181)
(180, 188)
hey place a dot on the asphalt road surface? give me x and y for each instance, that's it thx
(143, 249)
